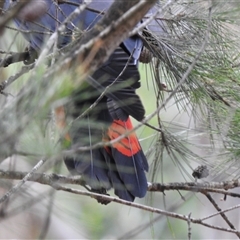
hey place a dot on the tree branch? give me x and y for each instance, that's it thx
(51, 179)
(54, 180)
(23, 180)
(223, 215)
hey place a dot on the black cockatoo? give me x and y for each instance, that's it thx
(122, 165)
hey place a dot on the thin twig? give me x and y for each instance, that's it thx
(209, 197)
(60, 29)
(144, 207)
(217, 187)
(13, 78)
(15, 188)
(136, 231)
(189, 226)
(106, 90)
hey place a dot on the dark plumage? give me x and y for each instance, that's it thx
(122, 165)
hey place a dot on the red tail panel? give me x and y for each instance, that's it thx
(129, 145)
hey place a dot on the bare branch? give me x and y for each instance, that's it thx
(198, 187)
(51, 179)
(209, 197)
(145, 208)
(15, 188)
